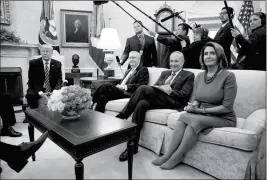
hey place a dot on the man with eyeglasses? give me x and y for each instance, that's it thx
(223, 36)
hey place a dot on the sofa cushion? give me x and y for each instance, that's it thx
(154, 74)
(231, 137)
(159, 116)
(173, 117)
(116, 105)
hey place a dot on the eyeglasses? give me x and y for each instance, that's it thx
(222, 13)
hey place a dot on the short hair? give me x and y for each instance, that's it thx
(137, 53)
(178, 53)
(262, 16)
(185, 27)
(139, 22)
(204, 32)
(221, 57)
(231, 11)
(79, 21)
(47, 46)
(76, 55)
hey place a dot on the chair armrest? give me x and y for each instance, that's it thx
(255, 122)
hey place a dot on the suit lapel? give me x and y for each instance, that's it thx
(125, 75)
(51, 69)
(133, 75)
(178, 77)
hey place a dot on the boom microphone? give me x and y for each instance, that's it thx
(99, 2)
(118, 60)
(173, 15)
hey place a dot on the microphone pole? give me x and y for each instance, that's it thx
(129, 14)
(154, 21)
(230, 20)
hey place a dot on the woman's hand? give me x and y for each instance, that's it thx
(183, 43)
(234, 32)
(189, 108)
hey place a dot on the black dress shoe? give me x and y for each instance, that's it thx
(120, 115)
(26, 150)
(10, 132)
(124, 155)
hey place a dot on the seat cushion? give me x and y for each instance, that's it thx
(116, 105)
(231, 137)
(159, 116)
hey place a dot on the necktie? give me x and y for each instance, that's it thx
(168, 81)
(46, 82)
(127, 78)
(142, 43)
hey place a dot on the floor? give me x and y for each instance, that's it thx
(54, 163)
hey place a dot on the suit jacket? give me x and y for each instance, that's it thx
(225, 39)
(140, 77)
(149, 57)
(172, 44)
(36, 75)
(182, 85)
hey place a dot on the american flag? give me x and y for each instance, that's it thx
(242, 24)
(244, 14)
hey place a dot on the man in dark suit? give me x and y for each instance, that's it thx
(172, 43)
(171, 91)
(134, 77)
(143, 44)
(17, 156)
(8, 116)
(224, 36)
(44, 76)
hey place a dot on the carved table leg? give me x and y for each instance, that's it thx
(79, 170)
(31, 135)
(130, 149)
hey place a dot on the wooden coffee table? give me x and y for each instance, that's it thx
(91, 133)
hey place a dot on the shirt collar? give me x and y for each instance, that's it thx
(177, 72)
(225, 23)
(141, 35)
(46, 61)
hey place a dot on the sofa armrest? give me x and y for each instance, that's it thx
(255, 122)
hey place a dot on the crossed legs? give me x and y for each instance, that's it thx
(183, 139)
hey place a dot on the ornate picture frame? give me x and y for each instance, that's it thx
(75, 28)
(5, 13)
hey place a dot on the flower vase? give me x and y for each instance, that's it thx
(70, 115)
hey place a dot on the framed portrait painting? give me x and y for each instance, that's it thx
(75, 28)
(4, 12)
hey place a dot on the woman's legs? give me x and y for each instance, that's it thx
(188, 141)
(177, 137)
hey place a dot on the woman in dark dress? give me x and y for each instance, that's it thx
(212, 106)
(253, 49)
(192, 52)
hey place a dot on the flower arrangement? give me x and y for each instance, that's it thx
(10, 36)
(70, 100)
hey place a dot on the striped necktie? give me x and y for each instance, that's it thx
(47, 82)
(168, 81)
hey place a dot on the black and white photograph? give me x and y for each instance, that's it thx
(133, 90)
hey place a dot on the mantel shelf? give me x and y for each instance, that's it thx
(8, 44)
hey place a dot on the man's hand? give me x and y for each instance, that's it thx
(152, 33)
(43, 100)
(120, 86)
(167, 89)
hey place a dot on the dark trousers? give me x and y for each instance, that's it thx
(10, 154)
(32, 98)
(6, 111)
(145, 98)
(106, 92)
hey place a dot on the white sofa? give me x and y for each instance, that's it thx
(225, 153)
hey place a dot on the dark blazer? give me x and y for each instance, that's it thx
(36, 75)
(79, 36)
(254, 49)
(149, 57)
(172, 44)
(140, 77)
(225, 39)
(192, 53)
(182, 85)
